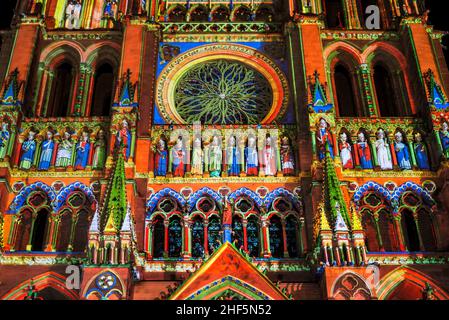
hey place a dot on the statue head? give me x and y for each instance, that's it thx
(197, 142)
(31, 135)
(101, 134)
(343, 137)
(85, 135)
(380, 134)
(268, 140)
(323, 123)
(67, 135)
(49, 135)
(418, 137)
(232, 141)
(124, 123)
(285, 140)
(215, 141)
(444, 126)
(398, 136)
(251, 141)
(361, 137)
(5, 125)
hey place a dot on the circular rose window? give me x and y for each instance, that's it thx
(222, 84)
(223, 92)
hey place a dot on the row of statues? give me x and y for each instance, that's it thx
(380, 153)
(74, 9)
(234, 159)
(63, 153)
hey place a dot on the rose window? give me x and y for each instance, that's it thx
(223, 92)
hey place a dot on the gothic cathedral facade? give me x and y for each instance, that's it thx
(241, 149)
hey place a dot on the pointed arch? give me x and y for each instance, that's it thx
(45, 280)
(371, 186)
(281, 192)
(68, 190)
(411, 186)
(205, 191)
(166, 192)
(248, 193)
(19, 200)
(392, 280)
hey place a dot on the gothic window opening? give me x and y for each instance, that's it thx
(158, 237)
(103, 91)
(59, 103)
(410, 231)
(197, 237)
(371, 237)
(292, 233)
(387, 232)
(242, 14)
(427, 230)
(214, 233)
(32, 224)
(388, 93)
(41, 227)
(199, 14)
(177, 14)
(335, 16)
(345, 93)
(74, 221)
(264, 13)
(82, 220)
(220, 14)
(253, 235)
(23, 230)
(175, 237)
(276, 237)
(64, 231)
(237, 231)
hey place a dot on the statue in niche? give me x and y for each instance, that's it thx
(82, 152)
(383, 154)
(269, 157)
(28, 149)
(73, 15)
(324, 137)
(215, 157)
(161, 158)
(64, 155)
(124, 137)
(233, 157)
(4, 139)
(287, 159)
(444, 138)
(363, 151)
(402, 152)
(345, 152)
(252, 157)
(99, 157)
(422, 158)
(178, 154)
(48, 146)
(197, 157)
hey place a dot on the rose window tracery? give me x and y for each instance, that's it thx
(223, 92)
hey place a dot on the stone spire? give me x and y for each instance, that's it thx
(115, 208)
(333, 196)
